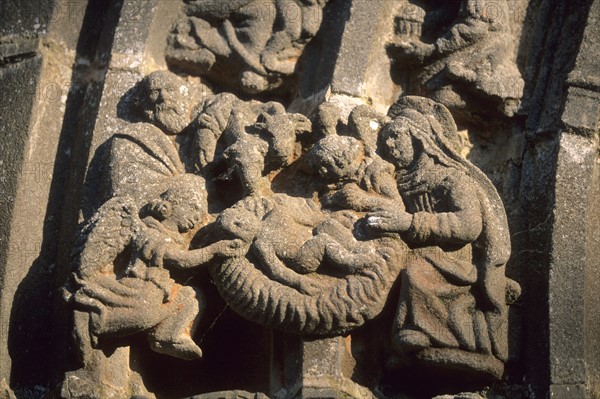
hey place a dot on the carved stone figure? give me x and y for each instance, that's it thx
(453, 290)
(258, 145)
(299, 199)
(214, 133)
(302, 258)
(349, 168)
(319, 241)
(165, 100)
(116, 296)
(463, 52)
(272, 293)
(386, 201)
(249, 44)
(156, 244)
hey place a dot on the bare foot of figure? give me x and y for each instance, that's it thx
(182, 347)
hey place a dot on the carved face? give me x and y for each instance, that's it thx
(186, 214)
(397, 143)
(171, 109)
(169, 103)
(336, 158)
(183, 206)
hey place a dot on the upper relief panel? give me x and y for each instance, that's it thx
(252, 46)
(461, 53)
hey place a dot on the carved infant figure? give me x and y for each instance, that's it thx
(309, 240)
(318, 237)
(144, 297)
(354, 178)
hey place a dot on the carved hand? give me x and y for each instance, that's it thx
(415, 50)
(349, 197)
(207, 121)
(309, 286)
(389, 220)
(227, 248)
(152, 250)
(346, 217)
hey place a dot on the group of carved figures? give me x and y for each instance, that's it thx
(305, 224)
(311, 224)
(252, 45)
(459, 52)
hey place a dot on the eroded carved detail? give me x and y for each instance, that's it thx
(253, 45)
(462, 52)
(310, 226)
(453, 288)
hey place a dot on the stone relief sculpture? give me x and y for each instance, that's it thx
(299, 199)
(385, 201)
(252, 45)
(462, 52)
(121, 284)
(453, 288)
(157, 244)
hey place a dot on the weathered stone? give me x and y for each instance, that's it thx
(465, 52)
(315, 369)
(299, 199)
(20, 19)
(253, 46)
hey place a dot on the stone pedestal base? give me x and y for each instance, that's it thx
(105, 377)
(319, 368)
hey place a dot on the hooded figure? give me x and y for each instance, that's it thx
(453, 291)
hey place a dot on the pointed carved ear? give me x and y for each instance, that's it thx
(263, 117)
(262, 121)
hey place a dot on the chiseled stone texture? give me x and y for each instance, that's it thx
(299, 199)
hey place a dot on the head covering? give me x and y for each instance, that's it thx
(432, 124)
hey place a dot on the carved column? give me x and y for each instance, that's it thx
(314, 369)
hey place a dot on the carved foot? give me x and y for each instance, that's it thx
(253, 82)
(198, 61)
(183, 348)
(407, 341)
(479, 366)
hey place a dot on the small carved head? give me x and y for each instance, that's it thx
(397, 144)
(280, 131)
(183, 205)
(336, 158)
(165, 100)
